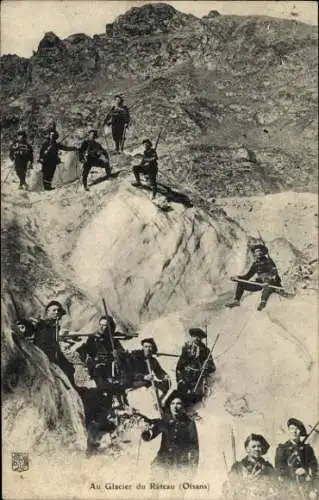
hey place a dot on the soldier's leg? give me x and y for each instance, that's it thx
(117, 136)
(104, 164)
(153, 180)
(48, 173)
(86, 170)
(21, 171)
(137, 170)
(267, 291)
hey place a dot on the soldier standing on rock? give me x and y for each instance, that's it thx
(190, 366)
(46, 337)
(148, 167)
(21, 153)
(49, 157)
(296, 464)
(119, 119)
(179, 449)
(266, 274)
(91, 153)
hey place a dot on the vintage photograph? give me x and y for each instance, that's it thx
(159, 172)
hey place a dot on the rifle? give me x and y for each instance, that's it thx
(158, 138)
(204, 365)
(310, 432)
(166, 354)
(77, 336)
(157, 399)
(233, 445)
(262, 285)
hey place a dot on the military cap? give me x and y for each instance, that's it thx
(259, 246)
(147, 141)
(110, 320)
(197, 332)
(56, 303)
(94, 132)
(260, 439)
(118, 96)
(298, 424)
(150, 341)
(54, 132)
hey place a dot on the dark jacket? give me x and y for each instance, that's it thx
(290, 456)
(91, 150)
(45, 337)
(246, 469)
(265, 271)
(118, 116)
(49, 152)
(140, 368)
(99, 348)
(179, 444)
(21, 153)
(149, 158)
(252, 479)
(192, 359)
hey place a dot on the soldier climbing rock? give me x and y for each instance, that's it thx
(179, 448)
(49, 157)
(253, 476)
(296, 464)
(148, 167)
(46, 337)
(266, 273)
(21, 153)
(190, 366)
(118, 118)
(146, 369)
(92, 154)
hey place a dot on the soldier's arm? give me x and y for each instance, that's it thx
(312, 462)
(42, 150)
(82, 150)
(108, 118)
(30, 159)
(127, 117)
(250, 273)
(193, 445)
(158, 370)
(12, 152)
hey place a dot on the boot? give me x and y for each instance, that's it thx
(261, 306)
(234, 303)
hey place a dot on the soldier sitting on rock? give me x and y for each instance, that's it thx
(266, 273)
(253, 476)
(92, 154)
(21, 153)
(190, 365)
(148, 167)
(147, 369)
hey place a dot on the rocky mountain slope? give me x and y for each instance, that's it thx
(237, 95)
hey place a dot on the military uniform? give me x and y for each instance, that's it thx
(91, 153)
(118, 118)
(46, 338)
(140, 369)
(49, 157)
(148, 167)
(21, 153)
(98, 353)
(253, 479)
(189, 367)
(179, 445)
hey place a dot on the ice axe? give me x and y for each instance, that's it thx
(205, 364)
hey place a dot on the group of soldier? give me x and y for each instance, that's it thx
(91, 152)
(116, 372)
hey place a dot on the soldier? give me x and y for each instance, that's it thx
(148, 167)
(190, 366)
(49, 157)
(91, 153)
(106, 359)
(119, 119)
(295, 462)
(253, 476)
(146, 369)
(46, 337)
(179, 450)
(21, 153)
(266, 273)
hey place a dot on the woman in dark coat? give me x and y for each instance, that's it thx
(179, 449)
